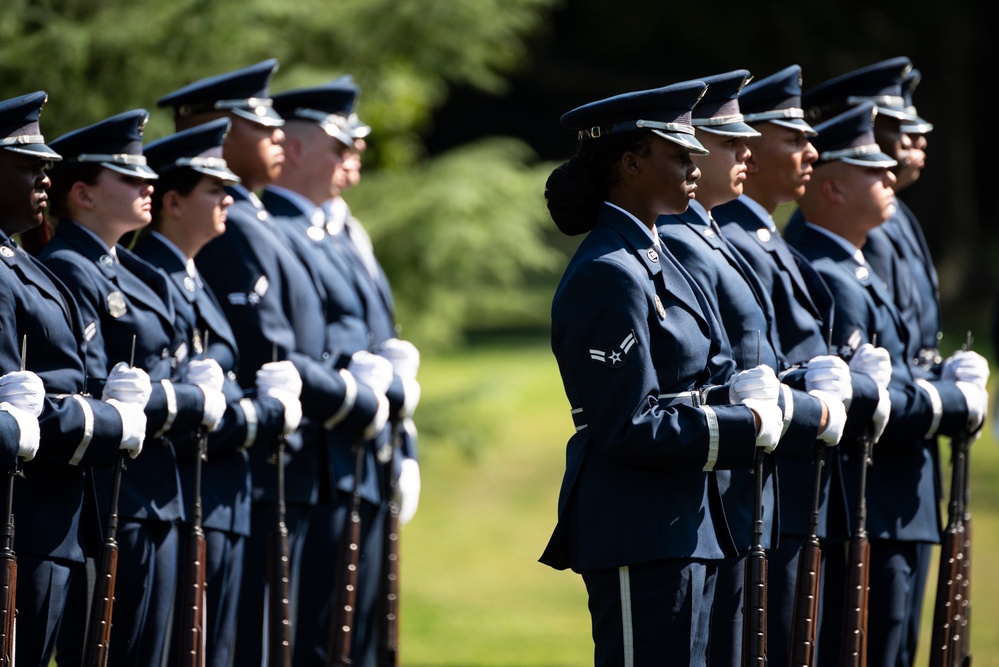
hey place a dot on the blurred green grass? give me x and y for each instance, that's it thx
(492, 454)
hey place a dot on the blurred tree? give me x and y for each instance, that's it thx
(445, 227)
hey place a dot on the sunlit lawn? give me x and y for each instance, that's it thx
(474, 593)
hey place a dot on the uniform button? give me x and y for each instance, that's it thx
(326, 356)
(165, 353)
(231, 375)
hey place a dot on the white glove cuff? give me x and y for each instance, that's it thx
(788, 408)
(250, 416)
(171, 406)
(714, 436)
(937, 404)
(379, 420)
(349, 399)
(27, 426)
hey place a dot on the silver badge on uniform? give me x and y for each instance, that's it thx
(863, 274)
(189, 283)
(106, 261)
(116, 304)
(6, 251)
(659, 307)
(384, 453)
(316, 234)
(196, 342)
(764, 234)
(653, 255)
(710, 233)
(616, 356)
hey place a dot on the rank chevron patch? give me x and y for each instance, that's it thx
(616, 356)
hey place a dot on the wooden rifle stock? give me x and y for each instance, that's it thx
(854, 641)
(8, 573)
(279, 577)
(102, 603)
(192, 631)
(388, 639)
(805, 617)
(945, 644)
(754, 623)
(341, 629)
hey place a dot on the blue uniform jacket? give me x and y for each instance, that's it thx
(54, 502)
(628, 326)
(268, 299)
(338, 284)
(225, 482)
(902, 489)
(131, 299)
(803, 313)
(746, 316)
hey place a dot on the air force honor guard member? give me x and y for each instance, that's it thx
(638, 512)
(318, 132)
(77, 430)
(271, 304)
(850, 194)
(189, 210)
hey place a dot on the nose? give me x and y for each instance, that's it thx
(277, 136)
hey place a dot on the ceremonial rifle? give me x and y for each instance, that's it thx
(192, 629)
(8, 561)
(341, 630)
(754, 624)
(388, 638)
(279, 568)
(102, 603)
(950, 645)
(805, 614)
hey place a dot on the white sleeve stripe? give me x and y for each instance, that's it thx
(627, 624)
(788, 408)
(88, 430)
(250, 413)
(349, 399)
(171, 405)
(713, 437)
(937, 404)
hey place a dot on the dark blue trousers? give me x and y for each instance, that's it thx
(142, 616)
(42, 586)
(898, 582)
(651, 614)
(726, 617)
(319, 569)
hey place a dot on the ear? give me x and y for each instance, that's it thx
(173, 205)
(293, 150)
(80, 196)
(630, 163)
(832, 190)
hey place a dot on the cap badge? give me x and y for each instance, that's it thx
(116, 304)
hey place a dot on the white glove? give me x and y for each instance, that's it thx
(403, 355)
(28, 431)
(23, 390)
(127, 384)
(874, 362)
(205, 373)
(292, 408)
(978, 403)
(966, 366)
(214, 410)
(835, 416)
(758, 383)
(831, 376)
(881, 413)
(133, 425)
(372, 370)
(281, 376)
(771, 422)
(411, 399)
(409, 490)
